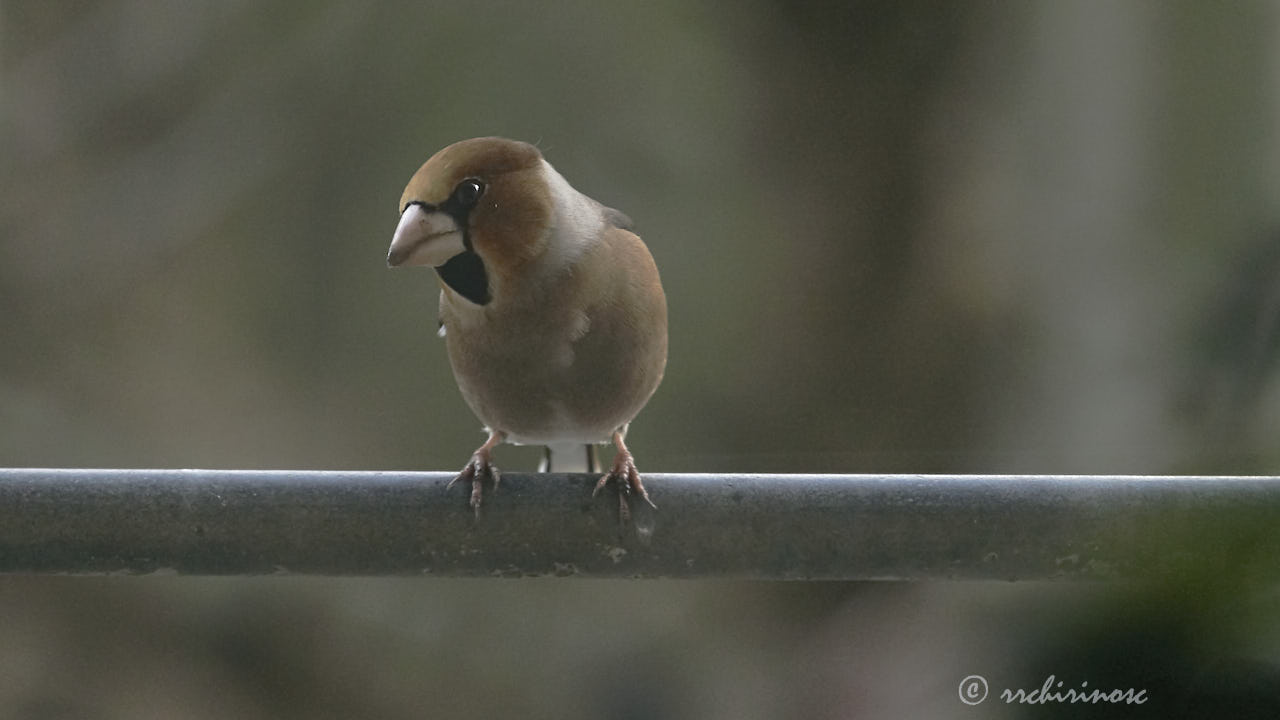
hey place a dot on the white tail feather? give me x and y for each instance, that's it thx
(570, 458)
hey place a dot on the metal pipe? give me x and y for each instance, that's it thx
(247, 522)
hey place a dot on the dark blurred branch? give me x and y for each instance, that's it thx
(755, 526)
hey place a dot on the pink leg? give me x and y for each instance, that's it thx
(625, 474)
(479, 468)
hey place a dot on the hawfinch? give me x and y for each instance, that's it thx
(550, 306)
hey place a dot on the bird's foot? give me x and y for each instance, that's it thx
(625, 475)
(478, 470)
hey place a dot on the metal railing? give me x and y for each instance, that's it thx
(242, 522)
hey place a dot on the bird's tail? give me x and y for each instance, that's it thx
(571, 458)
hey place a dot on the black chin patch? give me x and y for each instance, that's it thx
(465, 274)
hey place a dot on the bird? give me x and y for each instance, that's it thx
(551, 307)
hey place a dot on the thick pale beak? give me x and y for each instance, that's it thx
(424, 238)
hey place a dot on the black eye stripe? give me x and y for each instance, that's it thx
(426, 206)
(464, 197)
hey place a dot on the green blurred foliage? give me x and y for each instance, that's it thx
(895, 236)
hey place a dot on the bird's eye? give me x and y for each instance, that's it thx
(468, 192)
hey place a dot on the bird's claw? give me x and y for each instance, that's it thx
(479, 469)
(625, 475)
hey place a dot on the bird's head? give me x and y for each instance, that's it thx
(478, 211)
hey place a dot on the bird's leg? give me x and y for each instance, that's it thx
(479, 468)
(627, 477)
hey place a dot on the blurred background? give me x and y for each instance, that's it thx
(1028, 237)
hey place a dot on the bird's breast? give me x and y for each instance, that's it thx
(540, 379)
